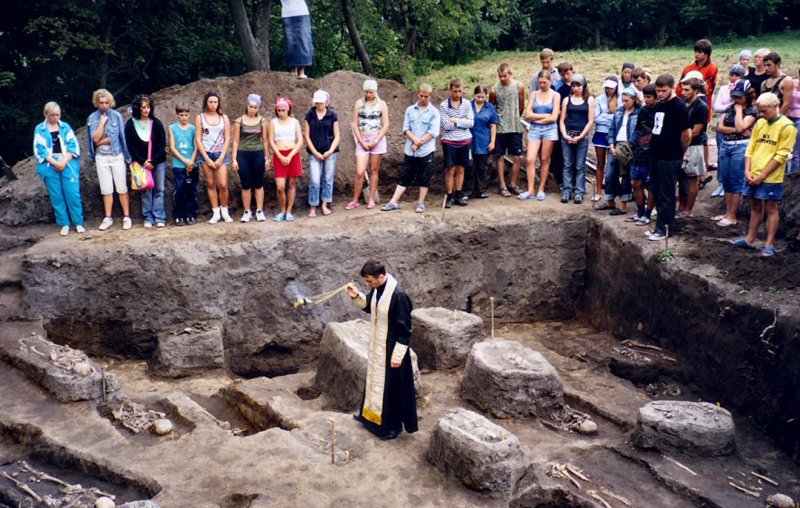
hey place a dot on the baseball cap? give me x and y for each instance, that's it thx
(692, 75)
(320, 97)
(740, 88)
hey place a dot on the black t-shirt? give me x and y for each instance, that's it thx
(756, 80)
(698, 114)
(670, 120)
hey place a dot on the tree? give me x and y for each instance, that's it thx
(254, 41)
(356, 40)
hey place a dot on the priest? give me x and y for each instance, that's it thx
(389, 403)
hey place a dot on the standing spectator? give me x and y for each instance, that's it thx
(745, 56)
(110, 153)
(370, 125)
(564, 75)
(250, 149)
(184, 172)
(620, 132)
(456, 116)
(322, 137)
(626, 78)
(694, 164)
(758, 73)
(421, 125)
(764, 167)
(777, 82)
(577, 120)
(670, 138)
(57, 152)
(546, 57)
(212, 138)
(286, 140)
(641, 78)
(298, 49)
(508, 96)
(640, 169)
(734, 128)
(147, 143)
(544, 106)
(721, 104)
(605, 105)
(794, 115)
(484, 135)
(702, 64)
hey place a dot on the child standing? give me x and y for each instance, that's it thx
(184, 156)
(508, 97)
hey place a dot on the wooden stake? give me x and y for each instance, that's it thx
(666, 238)
(333, 441)
(491, 301)
(444, 205)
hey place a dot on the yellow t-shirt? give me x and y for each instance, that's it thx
(771, 140)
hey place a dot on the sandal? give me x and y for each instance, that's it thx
(767, 251)
(371, 205)
(704, 182)
(352, 205)
(741, 243)
(725, 222)
(718, 218)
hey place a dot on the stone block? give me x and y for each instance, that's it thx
(443, 338)
(342, 368)
(190, 350)
(510, 380)
(67, 373)
(694, 428)
(268, 403)
(483, 455)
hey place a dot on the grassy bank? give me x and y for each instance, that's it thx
(597, 64)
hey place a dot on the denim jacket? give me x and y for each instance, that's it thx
(43, 148)
(616, 124)
(115, 128)
(602, 117)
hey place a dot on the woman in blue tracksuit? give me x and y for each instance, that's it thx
(57, 151)
(620, 131)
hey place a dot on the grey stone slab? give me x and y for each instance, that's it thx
(188, 350)
(694, 428)
(443, 337)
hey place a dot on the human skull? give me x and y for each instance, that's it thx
(162, 427)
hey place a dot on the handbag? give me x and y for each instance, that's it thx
(141, 177)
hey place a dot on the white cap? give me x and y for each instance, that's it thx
(692, 75)
(320, 97)
(610, 83)
(370, 84)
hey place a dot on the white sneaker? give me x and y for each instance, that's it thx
(247, 216)
(80, 229)
(64, 231)
(225, 215)
(161, 225)
(148, 224)
(260, 216)
(126, 223)
(107, 222)
(215, 217)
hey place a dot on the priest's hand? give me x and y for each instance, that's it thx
(395, 363)
(352, 292)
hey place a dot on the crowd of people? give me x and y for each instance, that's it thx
(649, 136)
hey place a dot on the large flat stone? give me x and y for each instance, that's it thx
(190, 350)
(509, 380)
(66, 373)
(483, 455)
(342, 369)
(268, 403)
(694, 428)
(443, 338)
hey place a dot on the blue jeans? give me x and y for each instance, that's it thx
(153, 208)
(184, 196)
(795, 162)
(317, 168)
(617, 185)
(574, 167)
(731, 167)
(64, 188)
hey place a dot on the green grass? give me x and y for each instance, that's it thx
(597, 64)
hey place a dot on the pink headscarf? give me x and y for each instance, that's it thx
(282, 102)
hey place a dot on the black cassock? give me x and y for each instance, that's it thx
(399, 397)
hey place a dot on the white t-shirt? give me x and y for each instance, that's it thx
(622, 135)
(291, 8)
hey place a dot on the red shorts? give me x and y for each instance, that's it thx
(293, 170)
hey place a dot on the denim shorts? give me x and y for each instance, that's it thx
(765, 191)
(543, 132)
(213, 156)
(640, 173)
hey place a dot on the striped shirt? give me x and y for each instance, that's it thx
(456, 133)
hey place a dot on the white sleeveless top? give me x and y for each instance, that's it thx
(285, 132)
(213, 134)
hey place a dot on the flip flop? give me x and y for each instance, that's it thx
(767, 251)
(741, 243)
(352, 205)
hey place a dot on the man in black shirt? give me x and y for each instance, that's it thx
(694, 163)
(670, 139)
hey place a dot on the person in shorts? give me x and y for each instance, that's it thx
(421, 125)
(694, 162)
(456, 121)
(508, 97)
(544, 107)
(370, 125)
(773, 137)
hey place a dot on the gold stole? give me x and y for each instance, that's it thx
(376, 361)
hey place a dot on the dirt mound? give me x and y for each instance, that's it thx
(25, 201)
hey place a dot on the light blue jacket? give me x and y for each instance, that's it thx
(115, 128)
(43, 148)
(602, 116)
(616, 124)
(419, 123)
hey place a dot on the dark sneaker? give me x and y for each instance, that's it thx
(179, 221)
(504, 192)
(480, 195)
(449, 202)
(578, 200)
(461, 199)
(565, 198)
(190, 221)
(515, 190)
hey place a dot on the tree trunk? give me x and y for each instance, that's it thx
(255, 48)
(108, 45)
(662, 34)
(353, 30)
(597, 36)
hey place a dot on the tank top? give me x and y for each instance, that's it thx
(776, 88)
(370, 119)
(250, 136)
(285, 132)
(794, 110)
(577, 115)
(184, 143)
(543, 109)
(213, 135)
